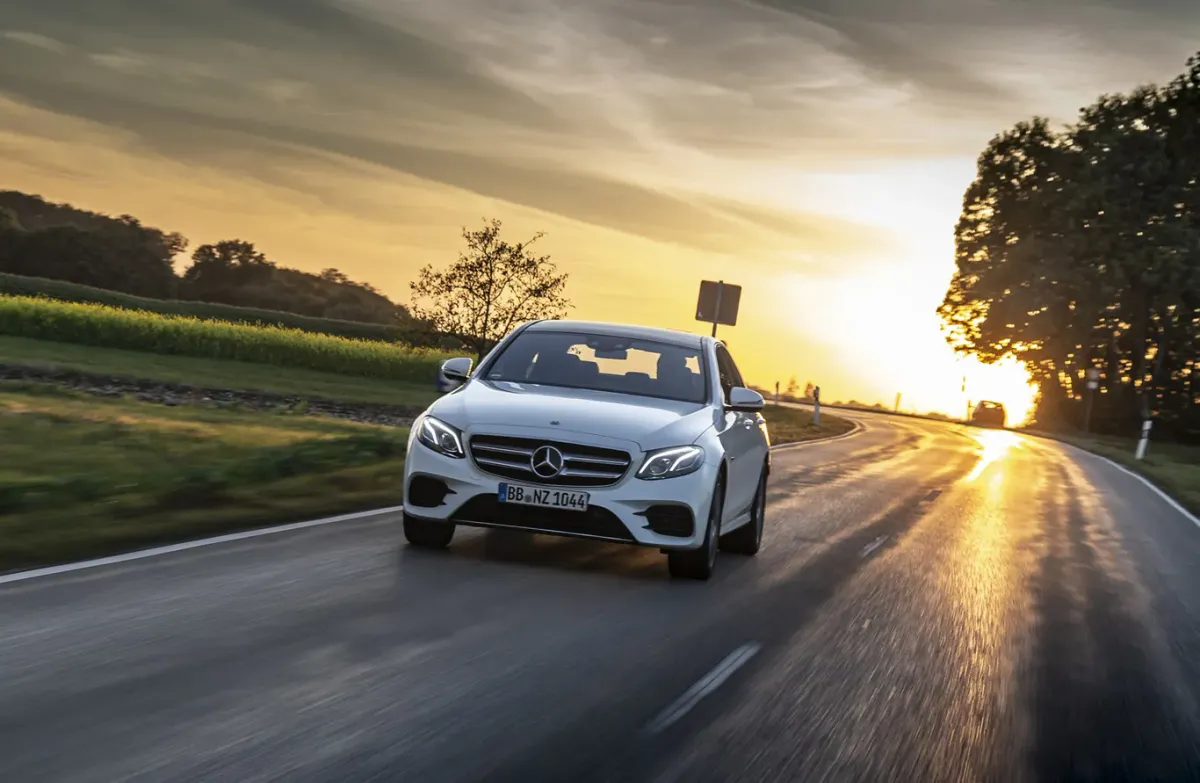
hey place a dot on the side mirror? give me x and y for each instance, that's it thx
(454, 373)
(745, 400)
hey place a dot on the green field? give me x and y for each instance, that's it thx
(101, 326)
(20, 285)
(81, 475)
(214, 373)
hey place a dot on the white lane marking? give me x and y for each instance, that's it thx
(871, 547)
(142, 554)
(1172, 502)
(704, 686)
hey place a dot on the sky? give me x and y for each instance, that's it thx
(814, 152)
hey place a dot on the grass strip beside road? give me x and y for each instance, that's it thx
(794, 425)
(214, 373)
(84, 477)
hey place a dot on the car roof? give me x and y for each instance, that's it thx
(669, 336)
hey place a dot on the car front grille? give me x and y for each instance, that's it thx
(596, 522)
(583, 466)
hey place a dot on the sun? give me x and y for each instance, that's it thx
(1006, 382)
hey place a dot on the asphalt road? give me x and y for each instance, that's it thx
(930, 605)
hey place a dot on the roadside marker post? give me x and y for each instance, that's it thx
(1144, 440)
(817, 405)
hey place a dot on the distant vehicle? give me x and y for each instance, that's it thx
(591, 430)
(988, 414)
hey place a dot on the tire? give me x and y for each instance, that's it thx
(747, 539)
(426, 533)
(699, 563)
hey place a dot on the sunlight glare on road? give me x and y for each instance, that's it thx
(996, 445)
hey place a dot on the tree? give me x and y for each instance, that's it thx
(225, 272)
(491, 288)
(9, 220)
(809, 390)
(1080, 248)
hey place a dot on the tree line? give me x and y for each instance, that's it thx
(1078, 248)
(39, 238)
(473, 302)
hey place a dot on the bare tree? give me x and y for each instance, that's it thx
(491, 288)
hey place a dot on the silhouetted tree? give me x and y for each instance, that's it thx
(1080, 249)
(491, 288)
(9, 220)
(793, 386)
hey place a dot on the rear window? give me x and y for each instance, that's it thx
(622, 365)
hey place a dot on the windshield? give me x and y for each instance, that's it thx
(622, 365)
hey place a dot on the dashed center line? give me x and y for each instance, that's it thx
(871, 547)
(704, 686)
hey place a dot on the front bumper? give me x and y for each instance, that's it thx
(626, 511)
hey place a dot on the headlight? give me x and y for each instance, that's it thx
(440, 436)
(672, 462)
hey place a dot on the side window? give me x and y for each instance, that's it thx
(727, 370)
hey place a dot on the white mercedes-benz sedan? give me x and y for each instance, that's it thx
(593, 430)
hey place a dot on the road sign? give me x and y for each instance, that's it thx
(718, 303)
(1093, 378)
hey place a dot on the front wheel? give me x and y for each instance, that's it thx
(428, 534)
(747, 539)
(699, 563)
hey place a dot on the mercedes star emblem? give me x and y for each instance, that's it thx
(547, 462)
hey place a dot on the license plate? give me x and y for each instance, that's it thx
(544, 497)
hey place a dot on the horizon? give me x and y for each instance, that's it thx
(815, 154)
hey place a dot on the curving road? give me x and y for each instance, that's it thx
(932, 604)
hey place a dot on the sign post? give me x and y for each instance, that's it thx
(1093, 383)
(776, 392)
(718, 303)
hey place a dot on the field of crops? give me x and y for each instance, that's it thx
(20, 285)
(111, 327)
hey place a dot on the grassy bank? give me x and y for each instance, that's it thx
(792, 425)
(102, 326)
(215, 373)
(81, 476)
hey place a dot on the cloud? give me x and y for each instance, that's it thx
(33, 39)
(647, 116)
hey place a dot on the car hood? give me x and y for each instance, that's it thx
(650, 423)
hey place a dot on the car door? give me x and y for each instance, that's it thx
(744, 445)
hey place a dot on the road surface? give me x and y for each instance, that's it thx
(932, 604)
